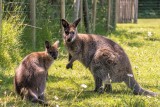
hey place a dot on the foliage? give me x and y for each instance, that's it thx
(149, 9)
(10, 48)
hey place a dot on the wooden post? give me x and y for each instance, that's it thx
(117, 10)
(114, 14)
(135, 10)
(109, 15)
(111, 22)
(62, 14)
(94, 14)
(76, 9)
(0, 20)
(33, 21)
(81, 14)
(86, 16)
(132, 12)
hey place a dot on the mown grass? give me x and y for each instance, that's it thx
(64, 86)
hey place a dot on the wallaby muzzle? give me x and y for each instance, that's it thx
(70, 37)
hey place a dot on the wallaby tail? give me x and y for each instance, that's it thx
(137, 89)
(16, 87)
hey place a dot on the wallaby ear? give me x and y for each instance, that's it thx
(47, 44)
(56, 44)
(65, 23)
(75, 23)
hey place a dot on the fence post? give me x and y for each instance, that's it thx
(109, 15)
(81, 14)
(117, 10)
(114, 14)
(86, 16)
(135, 10)
(76, 9)
(94, 13)
(62, 14)
(33, 21)
(1, 20)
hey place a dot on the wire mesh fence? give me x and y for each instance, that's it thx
(48, 15)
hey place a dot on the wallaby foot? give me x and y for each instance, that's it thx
(101, 90)
(34, 100)
(108, 88)
(69, 65)
(41, 97)
(98, 85)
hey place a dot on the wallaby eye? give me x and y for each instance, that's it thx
(66, 32)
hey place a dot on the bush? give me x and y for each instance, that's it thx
(10, 48)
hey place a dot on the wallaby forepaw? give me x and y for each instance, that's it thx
(68, 66)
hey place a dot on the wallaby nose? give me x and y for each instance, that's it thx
(69, 39)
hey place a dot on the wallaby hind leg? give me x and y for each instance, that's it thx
(108, 88)
(41, 89)
(41, 97)
(98, 85)
(33, 97)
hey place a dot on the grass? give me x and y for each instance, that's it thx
(64, 86)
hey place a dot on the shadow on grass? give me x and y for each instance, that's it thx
(126, 34)
(135, 44)
(128, 38)
(52, 78)
(152, 39)
(147, 86)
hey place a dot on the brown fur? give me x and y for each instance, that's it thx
(106, 60)
(31, 74)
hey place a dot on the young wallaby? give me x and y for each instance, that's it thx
(106, 60)
(31, 74)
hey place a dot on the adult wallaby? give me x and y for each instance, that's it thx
(31, 74)
(106, 60)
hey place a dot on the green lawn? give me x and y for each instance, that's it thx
(142, 44)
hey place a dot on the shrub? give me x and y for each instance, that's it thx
(10, 48)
